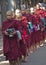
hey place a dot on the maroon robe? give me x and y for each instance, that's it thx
(38, 34)
(32, 35)
(30, 18)
(39, 11)
(44, 16)
(23, 46)
(26, 33)
(10, 45)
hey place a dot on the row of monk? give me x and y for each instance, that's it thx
(23, 32)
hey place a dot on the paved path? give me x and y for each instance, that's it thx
(38, 57)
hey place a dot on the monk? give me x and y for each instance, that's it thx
(26, 20)
(29, 17)
(32, 36)
(23, 30)
(10, 39)
(23, 12)
(43, 19)
(39, 11)
(38, 34)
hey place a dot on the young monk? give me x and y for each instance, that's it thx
(29, 20)
(23, 12)
(43, 21)
(26, 19)
(23, 30)
(10, 39)
(32, 20)
(39, 11)
(38, 34)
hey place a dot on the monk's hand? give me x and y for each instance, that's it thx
(13, 33)
(6, 33)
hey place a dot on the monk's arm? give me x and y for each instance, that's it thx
(3, 30)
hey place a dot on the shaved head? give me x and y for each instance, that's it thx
(10, 14)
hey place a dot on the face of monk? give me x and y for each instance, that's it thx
(23, 11)
(27, 11)
(37, 7)
(32, 10)
(18, 14)
(10, 15)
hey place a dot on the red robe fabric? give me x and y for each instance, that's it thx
(30, 18)
(44, 16)
(38, 34)
(10, 45)
(26, 34)
(32, 35)
(22, 28)
(39, 11)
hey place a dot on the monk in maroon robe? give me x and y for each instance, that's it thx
(31, 36)
(23, 12)
(31, 19)
(10, 40)
(44, 16)
(39, 11)
(26, 32)
(22, 27)
(38, 33)
(27, 16)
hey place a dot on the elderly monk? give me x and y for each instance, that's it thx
(10, 39)
(22, 27)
